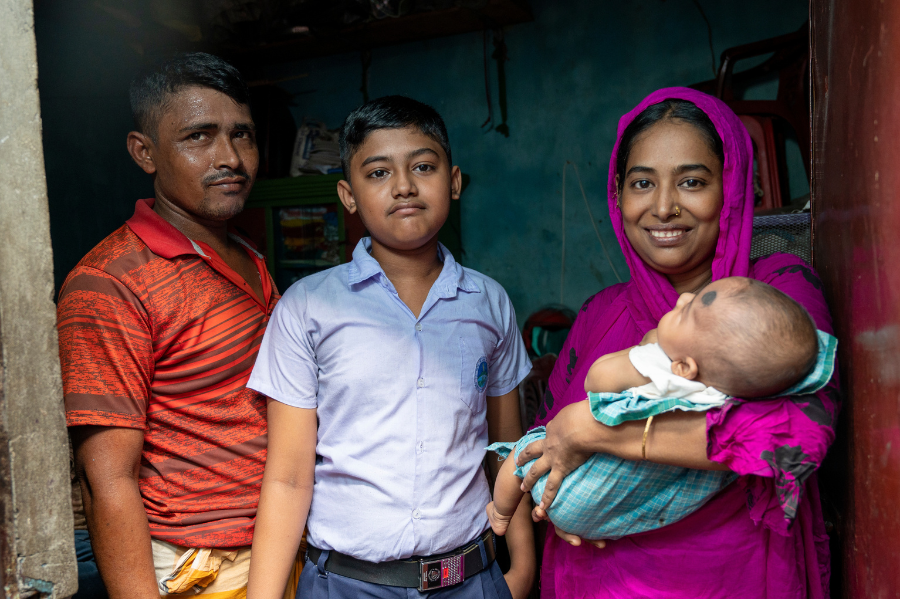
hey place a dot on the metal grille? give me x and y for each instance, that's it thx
(781, 233)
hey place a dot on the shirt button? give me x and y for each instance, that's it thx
(418, 327)
(417, 515)
(420, 447)
(420, 383)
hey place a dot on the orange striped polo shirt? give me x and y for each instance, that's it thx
(157, 332)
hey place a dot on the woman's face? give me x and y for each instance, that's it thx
(671, 198)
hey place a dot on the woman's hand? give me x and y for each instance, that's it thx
(539, 514)
(574, 540)
(572, 436)
(676, 438)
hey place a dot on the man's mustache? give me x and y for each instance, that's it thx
(226, 174)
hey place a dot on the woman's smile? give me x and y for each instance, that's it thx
(671, 198)
(667, 236)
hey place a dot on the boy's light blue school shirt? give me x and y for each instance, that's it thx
(401, 402)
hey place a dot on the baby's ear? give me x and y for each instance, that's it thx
(686, 368)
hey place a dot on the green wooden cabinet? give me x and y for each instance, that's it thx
(298, 223)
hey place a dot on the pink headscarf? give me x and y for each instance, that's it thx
(736, 220)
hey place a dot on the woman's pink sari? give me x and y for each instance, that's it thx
(763, 536)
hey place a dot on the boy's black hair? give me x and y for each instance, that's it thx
(667, 110)
(151, 92)
(390, 112)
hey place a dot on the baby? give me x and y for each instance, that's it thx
(738, 337)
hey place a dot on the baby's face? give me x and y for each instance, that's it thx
(679, 330)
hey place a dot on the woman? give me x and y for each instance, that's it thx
(681, 203)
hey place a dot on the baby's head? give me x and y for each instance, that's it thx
(740, 336)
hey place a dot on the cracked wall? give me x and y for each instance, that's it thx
(37, 556)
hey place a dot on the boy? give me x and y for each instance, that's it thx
(385, 378)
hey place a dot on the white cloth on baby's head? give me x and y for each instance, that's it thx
(652, 362)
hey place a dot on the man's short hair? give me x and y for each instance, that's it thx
(152, 91)
(390, 112)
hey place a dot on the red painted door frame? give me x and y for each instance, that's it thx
(855, 79)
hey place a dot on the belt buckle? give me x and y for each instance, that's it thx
(435, 574)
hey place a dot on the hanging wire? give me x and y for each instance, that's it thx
(562, 274)
(562, 269)
(712, 52)
(594, 223)
(487, 81)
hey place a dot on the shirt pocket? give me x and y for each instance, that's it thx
(474, 373)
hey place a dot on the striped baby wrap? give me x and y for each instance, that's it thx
(609, 497)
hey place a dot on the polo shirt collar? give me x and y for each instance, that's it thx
(161, 237)
(164, 239)
(452, 277)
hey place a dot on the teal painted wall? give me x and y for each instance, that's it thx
(87, 58)
(570, 75)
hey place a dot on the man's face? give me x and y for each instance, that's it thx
(204, 156)
(402, 184)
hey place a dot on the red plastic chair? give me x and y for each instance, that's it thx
(764, 119)
(765, 151)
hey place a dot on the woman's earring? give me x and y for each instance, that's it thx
(677, 211)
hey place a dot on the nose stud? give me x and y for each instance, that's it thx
(677, 211)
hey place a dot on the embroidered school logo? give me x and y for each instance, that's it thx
(481, 374)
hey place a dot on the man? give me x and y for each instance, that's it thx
(159, 327)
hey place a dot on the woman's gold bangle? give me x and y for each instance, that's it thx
(644, 441)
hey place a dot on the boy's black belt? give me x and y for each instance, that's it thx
(426, 573)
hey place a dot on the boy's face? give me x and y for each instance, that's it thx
(402, 184)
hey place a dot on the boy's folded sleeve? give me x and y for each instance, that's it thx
(286, 368)
(510, 363)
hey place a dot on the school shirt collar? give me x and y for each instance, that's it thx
(452, 278)
(164, 239)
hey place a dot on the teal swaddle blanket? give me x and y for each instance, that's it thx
(608, 497)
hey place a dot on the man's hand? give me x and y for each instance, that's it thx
(571, 439)
(107, 460)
